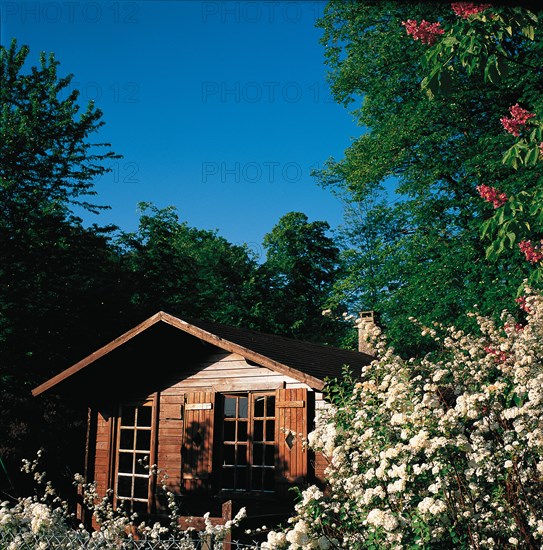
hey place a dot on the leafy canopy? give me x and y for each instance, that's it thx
(410, 180)
(47, 159)
(302, 264)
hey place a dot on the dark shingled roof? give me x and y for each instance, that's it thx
(313, 359)
(303, 361)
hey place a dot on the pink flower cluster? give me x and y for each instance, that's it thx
(528, 249)
(466, 9)
(522, 304)
(424, 31)
(517, 120)
(491, 194)
(500, 355)
(517, 327)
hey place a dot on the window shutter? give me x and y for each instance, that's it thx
(291, 460)
(197, 451)
(104, 452)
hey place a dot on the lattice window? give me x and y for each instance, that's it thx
(248, 442)
(134, 444)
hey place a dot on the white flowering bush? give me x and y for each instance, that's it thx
(45, 519)
(443, 452)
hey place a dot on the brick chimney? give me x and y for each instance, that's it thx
(366, 321)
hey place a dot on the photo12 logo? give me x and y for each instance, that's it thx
(70, 12)
(125, 172)
(251, 172)
(255, 250)
(265, 92)
(261, 12)
(118, 92)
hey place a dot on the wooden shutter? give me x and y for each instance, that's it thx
(104, 452)
(100, 452)
(292, 416)
(197, 451)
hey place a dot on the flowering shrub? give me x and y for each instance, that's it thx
(491, 194)
(36, 519)
(424, 31)
(517, 120)
(467, 9)
(532, 255)
(443, 452)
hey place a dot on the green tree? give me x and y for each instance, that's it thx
(48, 166)
(58, 280)
(188, 271)
(302, 263)
(47, 159)
(425, 159)
(486, 39)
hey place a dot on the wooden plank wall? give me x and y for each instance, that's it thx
(225, 371)
(320, 465)
(220, 372)
(170, 430)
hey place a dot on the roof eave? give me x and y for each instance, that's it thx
(94, 356)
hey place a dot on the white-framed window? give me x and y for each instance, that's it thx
(135, 429)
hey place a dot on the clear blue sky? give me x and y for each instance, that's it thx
(219, 108)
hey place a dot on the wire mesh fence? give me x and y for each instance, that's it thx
(79, 541)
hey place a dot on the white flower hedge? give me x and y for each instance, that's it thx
(439, 453)
(36, 521)
(443, 452)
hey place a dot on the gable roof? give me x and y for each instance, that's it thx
(306, 362)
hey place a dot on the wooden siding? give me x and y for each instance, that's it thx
(320, 465)
(220, 372)
(189, 467)
(170, 439)
(225, 371)
(244, 351)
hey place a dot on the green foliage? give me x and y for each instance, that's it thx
(512, 221)
(302, 264)
(339, 391)
(526, 151)
(490, 43)
(411, 240)
(187, 271)
(47, 159)
(58, 280)
(50, 263)
(483, 45)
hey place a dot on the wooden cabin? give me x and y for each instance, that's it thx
(221, 410)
